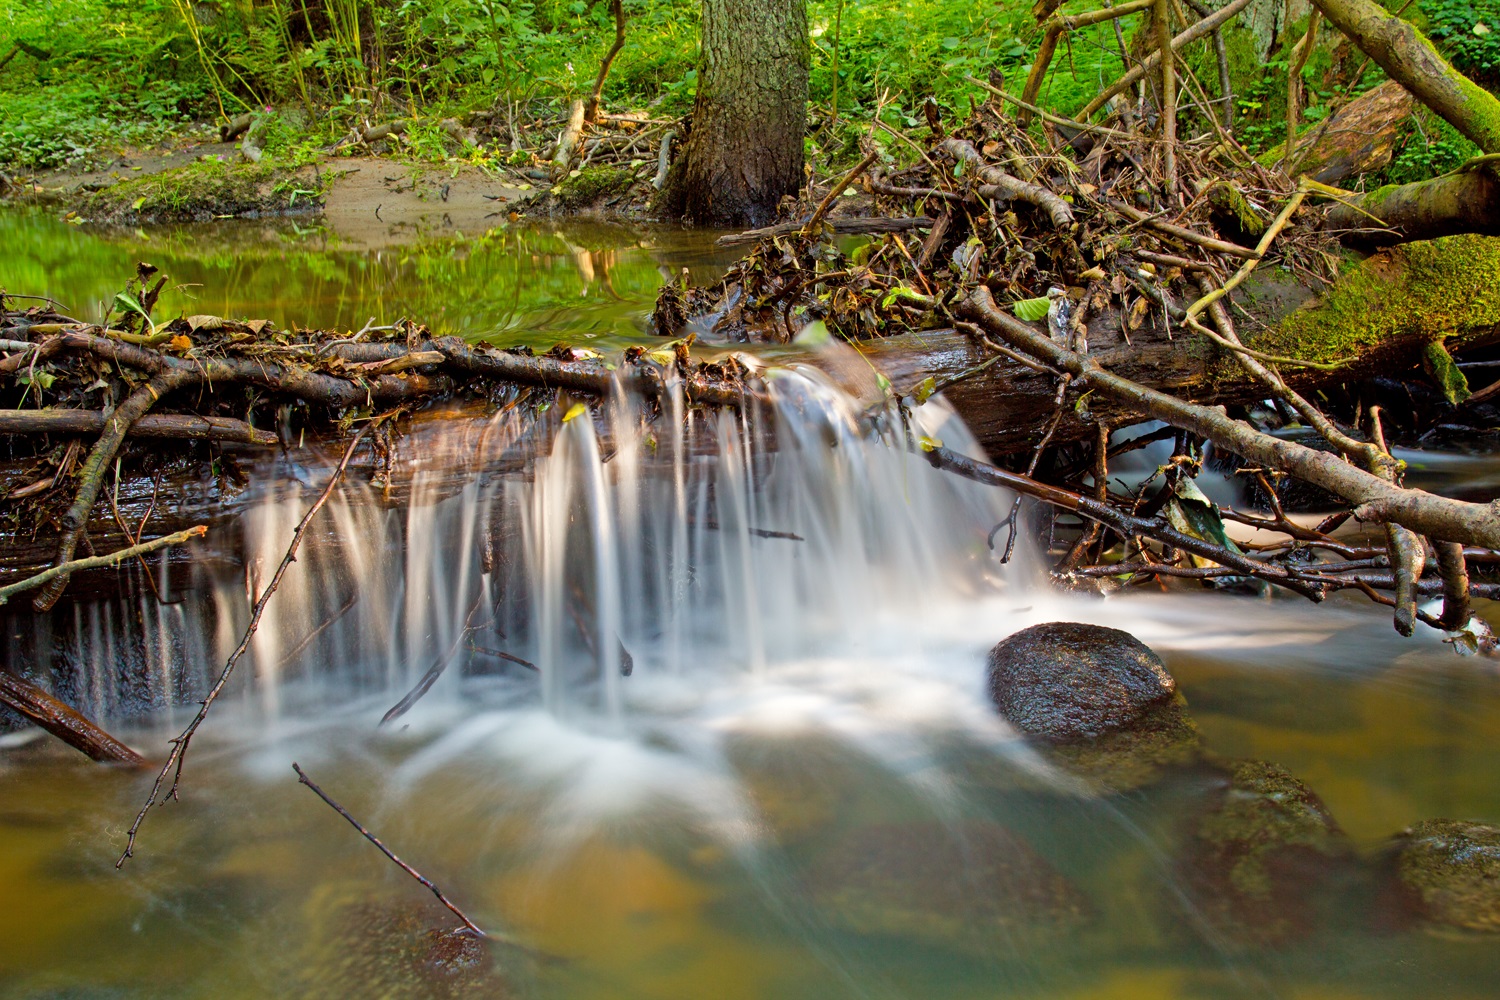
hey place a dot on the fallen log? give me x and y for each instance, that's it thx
(175, 426)
(1359, 138)
(1466, 201)
(1374, 498)
(64, 722)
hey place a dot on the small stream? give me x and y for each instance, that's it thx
(739, 744)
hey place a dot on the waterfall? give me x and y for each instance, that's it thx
(590, 547)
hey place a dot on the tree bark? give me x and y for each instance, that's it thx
(64, 722)
(744, 151)
(1407, 55)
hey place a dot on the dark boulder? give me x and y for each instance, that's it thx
(1449, 872)
(1096, 702)
(1259, 858)
(1064, 682)
(972, 887)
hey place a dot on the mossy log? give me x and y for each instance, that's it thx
(1466, 201)
(1377, 319)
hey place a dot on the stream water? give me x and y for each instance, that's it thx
(750, 752)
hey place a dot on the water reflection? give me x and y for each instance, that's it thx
(528, 283)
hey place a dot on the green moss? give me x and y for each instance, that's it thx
(1257, 857)
(204, 190)
(1266, 811)
(1432, 289)
(1439, 365)
(1135, 757)
(1235, 211)
(590, 186)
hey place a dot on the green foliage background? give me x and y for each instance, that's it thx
(121, 72)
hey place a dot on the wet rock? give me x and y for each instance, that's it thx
(1449, 871)
(376, 949)
(1096, 701)
(1065, 681)
(1258, 860)
(975, 887)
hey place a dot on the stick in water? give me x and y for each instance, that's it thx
(304, 779)
(178, 754)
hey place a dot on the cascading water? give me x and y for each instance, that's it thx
(697, 543)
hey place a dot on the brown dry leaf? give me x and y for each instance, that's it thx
(196, 323)
(257, 325)
(1138, 312)
(182, 342)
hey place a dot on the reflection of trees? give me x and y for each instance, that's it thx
(518, 285)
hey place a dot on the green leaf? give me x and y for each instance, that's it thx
(814, 334)
(883, 382)
(1031, 310)
(127, 303)
(929, 443)
(924, 390)
(575, 411)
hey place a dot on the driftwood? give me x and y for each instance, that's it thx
(64, 722)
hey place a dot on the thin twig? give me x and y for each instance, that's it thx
(178, 755)
(836, 191)
(304, 779)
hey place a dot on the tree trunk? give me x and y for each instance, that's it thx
(745, 148)
(1406, 54)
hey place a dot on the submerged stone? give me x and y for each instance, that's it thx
(1066, 681)
(974, 886)
(1258, 857)
(1450, 872)
(376, 949)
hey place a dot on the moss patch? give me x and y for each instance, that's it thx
(1133, 758)
(206, 190)
(1433, 289)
